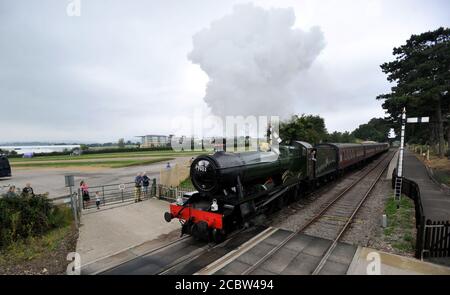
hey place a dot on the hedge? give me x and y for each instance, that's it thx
(25, 216)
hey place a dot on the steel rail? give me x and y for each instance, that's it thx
(143, 254)
(346, 225)
(312, 220)
(193, 255)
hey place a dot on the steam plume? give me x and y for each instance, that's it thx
(251, 57)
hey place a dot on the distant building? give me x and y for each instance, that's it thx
(148, 141)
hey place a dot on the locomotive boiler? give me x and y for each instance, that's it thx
(223, 171)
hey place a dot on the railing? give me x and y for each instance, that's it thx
(172, 193)
(112, 194)
(433, 237)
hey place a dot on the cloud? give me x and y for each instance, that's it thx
(120, 69)
(251, 56)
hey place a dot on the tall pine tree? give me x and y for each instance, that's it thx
(421, 73)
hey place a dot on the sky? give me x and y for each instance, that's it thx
(127, 68)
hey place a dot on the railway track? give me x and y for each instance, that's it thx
(332, 221)
(188, 256)
(176, 257)
(342, 206)
(316, 195)
(182, 242)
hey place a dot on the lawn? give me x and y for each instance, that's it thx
(401, 230)
(39, 255)
(441, 169)
(118, 163)
(440, 166)
(107, 156)
(187, 183)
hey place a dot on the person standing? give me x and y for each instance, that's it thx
(137, 187)
(85, 193)
(145, 184)
(97, 199)
(28, 190)
(11, 192)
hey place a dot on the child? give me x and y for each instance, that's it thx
(97, 199)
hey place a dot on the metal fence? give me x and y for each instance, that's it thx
(169, 193)
(112, 194)
(433, 237)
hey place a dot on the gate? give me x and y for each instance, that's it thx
(436, 239)
(433, 237)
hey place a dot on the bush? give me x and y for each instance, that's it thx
(22, 217)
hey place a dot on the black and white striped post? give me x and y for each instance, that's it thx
(399, 178)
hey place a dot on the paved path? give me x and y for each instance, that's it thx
(115, 230)
(436, 202)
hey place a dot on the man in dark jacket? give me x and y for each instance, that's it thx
(145, 184)
(137, 187)
(28, 190)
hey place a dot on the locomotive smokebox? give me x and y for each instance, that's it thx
(212, 173)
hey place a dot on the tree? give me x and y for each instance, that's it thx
(307, 128)
(339, 137)
(422, 82)
(84, 147)
(121, 143)
(377, 129)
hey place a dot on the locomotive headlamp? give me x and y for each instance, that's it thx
(214, 205)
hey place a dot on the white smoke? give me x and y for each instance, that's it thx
(251, 57)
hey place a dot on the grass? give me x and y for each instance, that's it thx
(443, 176)
(106, 156)
(187, 183)
(400, 232)
(440, 167)
(110, 164)
(33, 247)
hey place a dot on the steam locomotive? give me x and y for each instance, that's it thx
(232, 188)
(5, 168)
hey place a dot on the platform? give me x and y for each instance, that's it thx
(435, 202)
(109, 232)
(391, 264)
